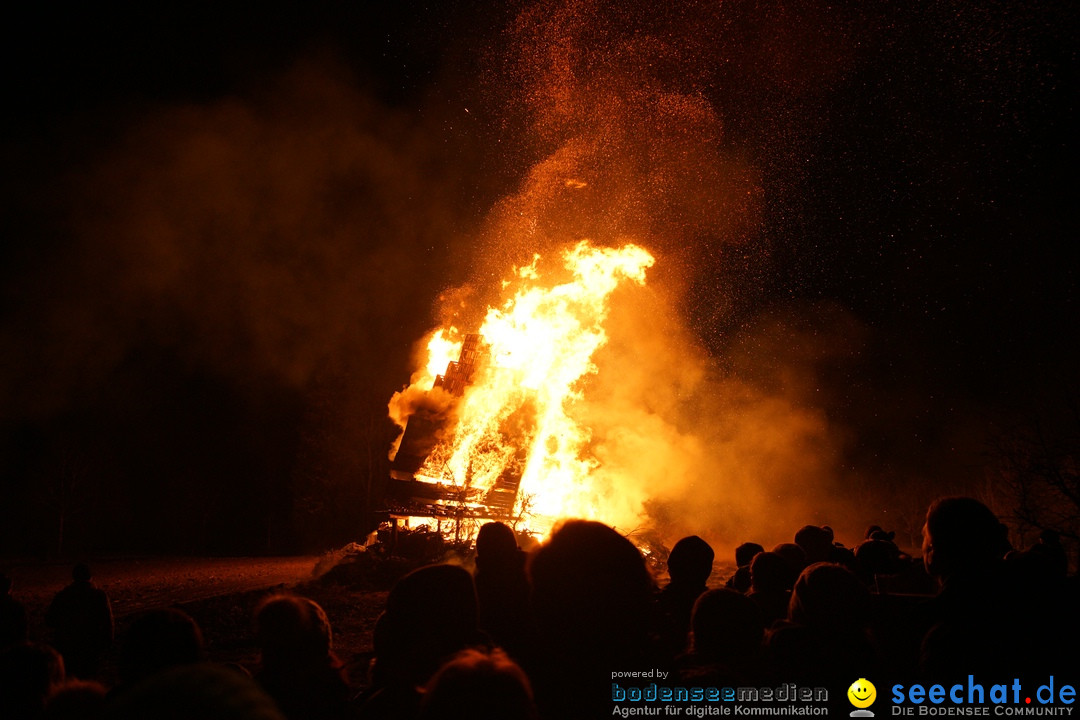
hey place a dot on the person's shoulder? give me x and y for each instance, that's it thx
(66, 592)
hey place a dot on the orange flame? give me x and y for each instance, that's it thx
(441, 352)
(516, 420)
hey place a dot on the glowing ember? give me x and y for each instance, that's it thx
(516, 438)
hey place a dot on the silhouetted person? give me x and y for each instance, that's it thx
(76, 700)
(1043, 564)
(727, 633)
(298, 667)
(689, 566)
(771, 578)
(980, 619)
(829, 596)
(502, 588)
(1052, 553)
(156, 641)
(875, 532)
(874, 558)
(13, 626)
(201, 691)
(29, 672)
(727, 627)
(592, 596)
(962, 539)
(796, 558)
(430, 616)
(817, 543)
(82, 622)
(478, 685)
(826, 637)
(743, 555)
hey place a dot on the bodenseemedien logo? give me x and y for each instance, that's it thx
(862, 694)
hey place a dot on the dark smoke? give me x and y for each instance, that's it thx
(285, 244)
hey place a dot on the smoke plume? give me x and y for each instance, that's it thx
(732, 442)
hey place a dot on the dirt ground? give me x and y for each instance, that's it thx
(141, 583)
(219, 593)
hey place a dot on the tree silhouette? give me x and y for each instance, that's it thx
(1037, 465)
(68, 490)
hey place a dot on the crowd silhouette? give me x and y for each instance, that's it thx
(538, 635)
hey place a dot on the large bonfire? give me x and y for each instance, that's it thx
(508, 436)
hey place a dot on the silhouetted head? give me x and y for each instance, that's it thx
(430, 615)
(591, 589)
(727, 626)
(771, 572)
(690, 561)
(875, 532)
(28, 673)
(157, 640)
(81, 573)
(433, 597)
(1050, 537)
(497, 549)
(495, 540)
(293, 631)
(478, 685)
(795, 556)
(816, 542)
(961, 535)
(201, 691)
(877, 557)
(746, 552)
(76, 700)
(829, 597)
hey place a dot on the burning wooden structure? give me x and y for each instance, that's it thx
(493, 423)
(417, 493)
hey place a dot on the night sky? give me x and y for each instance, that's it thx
(225, 229)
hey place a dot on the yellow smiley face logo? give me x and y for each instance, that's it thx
(862, 693)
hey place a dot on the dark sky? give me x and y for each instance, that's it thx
(224, 228)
